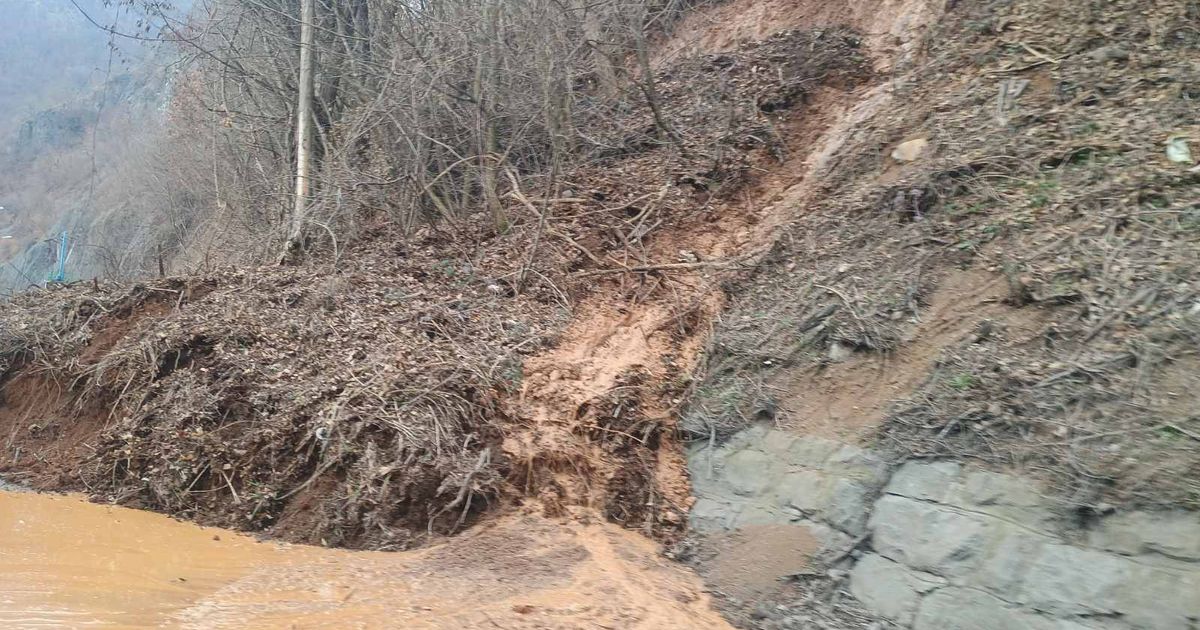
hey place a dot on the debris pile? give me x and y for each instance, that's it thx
(365, 399)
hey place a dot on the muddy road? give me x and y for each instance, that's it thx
(66, 563)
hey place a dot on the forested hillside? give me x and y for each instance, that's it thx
(49, 53)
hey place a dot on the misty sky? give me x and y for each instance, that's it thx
(50, 53)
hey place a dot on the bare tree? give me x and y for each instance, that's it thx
(296, 119)
(303, 126)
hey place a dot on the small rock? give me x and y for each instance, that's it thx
(767, 611)
(984, 330)
(909, 150)
(839, 352)
(1178, 150)
(1109, 53)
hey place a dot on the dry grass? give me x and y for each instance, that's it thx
(1066, 193)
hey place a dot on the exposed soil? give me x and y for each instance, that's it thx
(48, 447)
(603, 403)
(848, 399)
(756, 561)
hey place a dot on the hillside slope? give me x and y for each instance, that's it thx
(907, 233)
(406, 385)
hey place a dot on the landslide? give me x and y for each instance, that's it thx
(999, 265)
(339, 403)
(963, 242)
(408, 385)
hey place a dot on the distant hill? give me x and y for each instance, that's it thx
(49, 53)
(62, 76)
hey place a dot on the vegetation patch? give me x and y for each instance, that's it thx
(1046, 171)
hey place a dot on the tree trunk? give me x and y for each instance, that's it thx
(606, 74)
(637, 26)
(303, 130)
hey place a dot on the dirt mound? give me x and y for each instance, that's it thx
(371, 399)
(236, 397)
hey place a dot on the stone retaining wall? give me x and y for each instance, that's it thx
(952, 547)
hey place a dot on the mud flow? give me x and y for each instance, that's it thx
(66, 563)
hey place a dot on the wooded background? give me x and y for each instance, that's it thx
(183, 157)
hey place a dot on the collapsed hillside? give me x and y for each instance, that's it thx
(952, 236)
(964, 377)
(383, 395)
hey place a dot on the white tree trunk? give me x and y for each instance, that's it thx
(303, 127)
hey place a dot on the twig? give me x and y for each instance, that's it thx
(537, 235)
(844, 298)
(722, 264)
(1039, 54)
(236, 499)
(485, 457)
(1175, 427)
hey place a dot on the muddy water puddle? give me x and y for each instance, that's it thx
(66, 563)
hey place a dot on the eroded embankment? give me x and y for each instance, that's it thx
(603, 405)
(944, 237)
(399, 393)
(998, 273)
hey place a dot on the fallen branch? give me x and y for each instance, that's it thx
(464, 491)
(722, 264)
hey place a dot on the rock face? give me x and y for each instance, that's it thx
(952, 547)
(763, 476)
(1005, 557)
